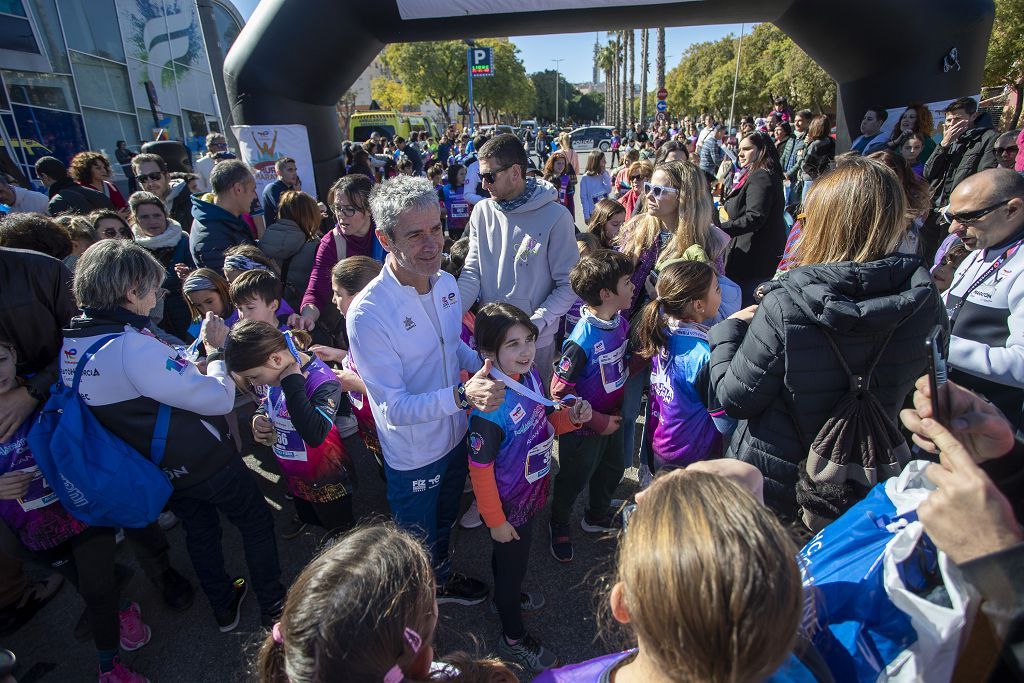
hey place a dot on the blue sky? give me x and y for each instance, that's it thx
(577, 48)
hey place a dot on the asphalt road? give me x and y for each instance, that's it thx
(188, 646)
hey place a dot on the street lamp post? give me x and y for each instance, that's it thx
(558, 77)
(469, 76)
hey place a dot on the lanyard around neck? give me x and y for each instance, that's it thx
(529, 393)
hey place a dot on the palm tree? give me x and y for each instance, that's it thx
(659, 60)
(620, 71)
(605, 61)
(645, 65)
(631, 91)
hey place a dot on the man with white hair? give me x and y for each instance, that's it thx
(404, 336)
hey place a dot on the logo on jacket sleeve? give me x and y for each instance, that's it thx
(476, 442)
(564, 364)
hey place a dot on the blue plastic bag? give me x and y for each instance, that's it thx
(868, 577)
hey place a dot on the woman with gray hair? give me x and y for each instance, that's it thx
(116, 284)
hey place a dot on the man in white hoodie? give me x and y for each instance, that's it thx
(522, 245)
(404, 337)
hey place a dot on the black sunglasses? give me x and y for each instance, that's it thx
(155, 175)
(489, 177)
(968, 217)
(1004, 150)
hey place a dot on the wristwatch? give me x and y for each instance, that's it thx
(461, 389)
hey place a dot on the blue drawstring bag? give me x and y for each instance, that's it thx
(882, 604)
(99, 478)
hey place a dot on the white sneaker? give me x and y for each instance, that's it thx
(471, 518)
(167, 520)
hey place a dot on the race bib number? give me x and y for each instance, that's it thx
(39, 493)
(538, 460)
(613, 369)
(289, 444)
(460, 210)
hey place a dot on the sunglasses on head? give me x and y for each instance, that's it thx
(154, 176)
(657, 191)
(968, 217)
(489, 177)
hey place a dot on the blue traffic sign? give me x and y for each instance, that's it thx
(662, 105)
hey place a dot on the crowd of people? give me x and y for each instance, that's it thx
(753, 296)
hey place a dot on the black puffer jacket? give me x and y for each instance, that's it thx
(780, 376)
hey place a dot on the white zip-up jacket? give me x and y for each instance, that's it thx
(409, 370)
(986, 347)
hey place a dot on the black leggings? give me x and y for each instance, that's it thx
(87, 562)
(508, 562)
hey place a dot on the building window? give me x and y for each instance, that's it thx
(105, 128)
(16, 34)
(51, 34)
(13, 7)
(47, 132)
(41, 90)
(92, 27)
(101, 83)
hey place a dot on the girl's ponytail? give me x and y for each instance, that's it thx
(648, 333)
(679, 284)
(270, 662)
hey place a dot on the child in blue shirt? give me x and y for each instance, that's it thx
(671, 332)
(593, 367)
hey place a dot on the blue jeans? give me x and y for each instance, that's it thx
(425, 502)
(232, 491)
(631, 411)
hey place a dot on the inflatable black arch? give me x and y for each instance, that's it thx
(880, 52)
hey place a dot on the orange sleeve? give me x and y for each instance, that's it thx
(486, 491)
(559, 419)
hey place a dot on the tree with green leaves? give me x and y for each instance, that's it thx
(771, 65)
(544, 86)
(509, 89)
(1004, 63)
(389, 93)
(434, 71)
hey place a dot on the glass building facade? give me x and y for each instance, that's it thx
(83, 74)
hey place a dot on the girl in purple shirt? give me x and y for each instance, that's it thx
(671, 333)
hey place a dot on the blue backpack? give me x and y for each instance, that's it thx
(99, 478)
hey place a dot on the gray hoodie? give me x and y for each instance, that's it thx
(522, 256)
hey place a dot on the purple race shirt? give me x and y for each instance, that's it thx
(682, 430)
(317, 474)
(597, 670)
(518, 439)
(593, 361)
(37, 518)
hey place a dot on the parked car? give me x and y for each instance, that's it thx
(591, 137)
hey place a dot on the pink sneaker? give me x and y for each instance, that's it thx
(134, 633)
(121, 673)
